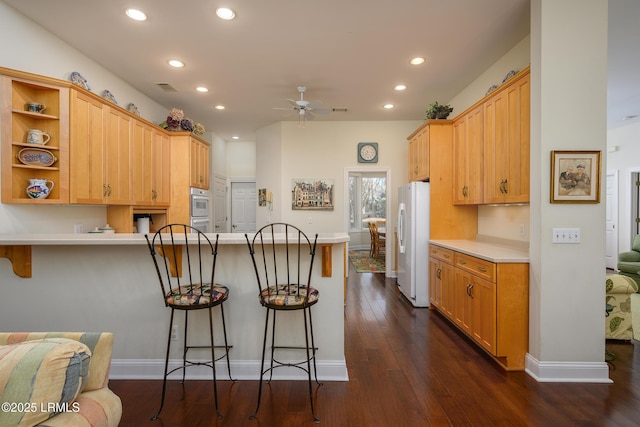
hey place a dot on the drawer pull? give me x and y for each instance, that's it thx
(447, 256)
(484, 270)
(463, 262)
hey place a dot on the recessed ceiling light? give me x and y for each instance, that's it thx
(400, 87)
(175, 63)
(417, 61)
(219, 107)
(136, 14)
(235, 137)
(225, 13)
(388, 106)
(202, 89)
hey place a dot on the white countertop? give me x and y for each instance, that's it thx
(490, 251)
(101, 239)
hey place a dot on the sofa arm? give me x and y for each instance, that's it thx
(100, 344)
(619, 284)
(630, 256)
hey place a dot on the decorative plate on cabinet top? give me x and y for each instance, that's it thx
(109, 97)
(133, 109)
(509, 75)
(36, 157)
(491, 89)
(77, 79)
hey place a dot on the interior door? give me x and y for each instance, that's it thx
(611, 221)
(220, 204)
(243, 207)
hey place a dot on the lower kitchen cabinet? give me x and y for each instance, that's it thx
(488, 301)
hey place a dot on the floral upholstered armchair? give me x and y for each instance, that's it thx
(618, 320)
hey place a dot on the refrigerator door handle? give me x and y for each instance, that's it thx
(402, 243)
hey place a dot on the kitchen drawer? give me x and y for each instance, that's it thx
(476, 266)
(441, 253)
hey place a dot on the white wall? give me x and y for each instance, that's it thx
(625, 159)
(241, 159)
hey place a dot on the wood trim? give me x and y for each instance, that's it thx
(20, 257)
(327, 265)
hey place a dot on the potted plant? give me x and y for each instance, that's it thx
(438, 111)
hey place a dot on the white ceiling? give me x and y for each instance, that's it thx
(350, 54)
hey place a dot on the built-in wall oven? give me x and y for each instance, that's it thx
(200, 208)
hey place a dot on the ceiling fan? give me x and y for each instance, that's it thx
(303, 108)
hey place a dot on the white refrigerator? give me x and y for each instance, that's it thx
(413, 242)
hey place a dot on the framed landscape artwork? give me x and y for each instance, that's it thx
(575, 176)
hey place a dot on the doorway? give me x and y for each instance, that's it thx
(611, 220)
(243, 206)
(359, 207)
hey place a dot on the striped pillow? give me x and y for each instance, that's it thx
(40, 378)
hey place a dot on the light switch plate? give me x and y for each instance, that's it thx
(565, 235)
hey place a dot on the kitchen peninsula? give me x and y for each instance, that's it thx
(107, 282)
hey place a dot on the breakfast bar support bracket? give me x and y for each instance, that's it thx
(20, 257)
(326, 261)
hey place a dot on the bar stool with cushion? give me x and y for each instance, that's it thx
(185, 261)
(283, 257)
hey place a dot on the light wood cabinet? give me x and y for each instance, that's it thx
(489, 302)
(467, 158)
(151, 165)
(190, 161)
(419, 154)
(199, 166)
(441, 280)
(506, 143)
(19, 89)
(100, 152)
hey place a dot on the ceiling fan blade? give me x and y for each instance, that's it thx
(294, 103)
(282, 108)
(314, 104)
(308, 115)
(321, 111)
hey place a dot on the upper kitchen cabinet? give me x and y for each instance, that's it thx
(35, 139)
(101, 139)
(506, 142)
(199, 163)
(151, 160)
(419, 154)
(467, 158)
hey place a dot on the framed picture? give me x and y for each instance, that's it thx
(312, 194)
(575, 177)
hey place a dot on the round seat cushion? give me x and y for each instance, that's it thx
(200, 294)
(288, 296)
(44, 376)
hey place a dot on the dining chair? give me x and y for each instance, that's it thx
(282, 256)
(185, 262)
(380, 240)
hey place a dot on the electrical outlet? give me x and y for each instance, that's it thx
(310, 220)
(565, 235)
(174, 333)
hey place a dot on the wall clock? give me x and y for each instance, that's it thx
(367, 152)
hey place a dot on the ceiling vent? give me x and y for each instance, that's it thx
(339, 110)
(166, 87)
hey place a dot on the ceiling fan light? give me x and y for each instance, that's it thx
(225, 13)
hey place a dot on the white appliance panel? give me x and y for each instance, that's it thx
(413, 242)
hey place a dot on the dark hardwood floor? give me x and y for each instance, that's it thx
(407, 367)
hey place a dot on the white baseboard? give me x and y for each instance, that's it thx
(567, 372)
(152, 369)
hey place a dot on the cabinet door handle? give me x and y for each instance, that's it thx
(108, 189)
(438, 272)
(104, 190)
(502, 186)
(506, 190)
(470, 290)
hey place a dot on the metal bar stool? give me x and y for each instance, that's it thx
(282, 258)
(185, 261)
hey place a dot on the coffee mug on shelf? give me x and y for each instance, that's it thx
(34, 107)
(36, 136)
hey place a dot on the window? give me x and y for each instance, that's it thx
(367, 198)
